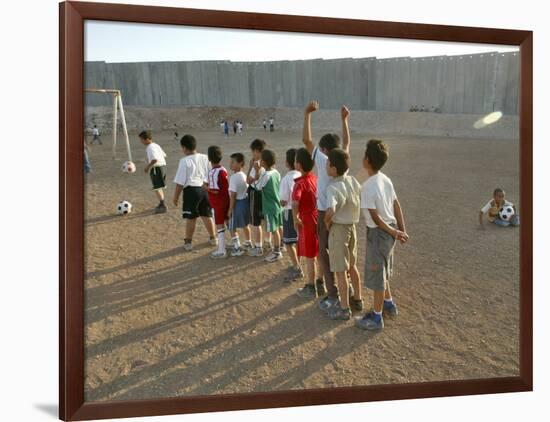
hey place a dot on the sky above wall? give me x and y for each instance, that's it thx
(129, 42)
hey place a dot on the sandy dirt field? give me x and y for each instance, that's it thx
(161, 322)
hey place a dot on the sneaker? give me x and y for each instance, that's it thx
(321, 289)
(308, 291)
(160, 209)
(237, 251)
(327, 302)
(188, 246)
(274, 256)
(368, 322)
(338, 313)
(293, 274)
(356, 304)
(213, 241)
(218, 254)
(255, 252)
(246, 246)
(390, 308)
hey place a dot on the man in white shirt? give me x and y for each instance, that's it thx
(96, 136)
(192, 174)
(327, 143)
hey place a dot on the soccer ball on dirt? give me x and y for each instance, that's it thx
(124, 207)
(506, 212)
(128, 167)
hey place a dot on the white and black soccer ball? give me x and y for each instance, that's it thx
(506, 212)
(124, 207)
(128, 167)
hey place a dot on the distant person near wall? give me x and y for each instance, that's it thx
(96, 135)
(226, 128)
(265, 124)
(271, 124)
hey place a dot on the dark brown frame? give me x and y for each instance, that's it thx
(71, 207)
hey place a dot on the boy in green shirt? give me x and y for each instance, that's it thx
(268, 184)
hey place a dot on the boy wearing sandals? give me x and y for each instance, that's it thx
(343, 212)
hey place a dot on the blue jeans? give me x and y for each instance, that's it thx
(514, 221)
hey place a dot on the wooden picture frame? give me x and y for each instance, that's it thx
(71, 205)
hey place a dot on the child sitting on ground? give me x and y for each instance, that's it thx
(343, 212)
(238, 213)
(269, 183)
(493, 207)
(218, 196)
(290, 237)
(304, 212)
(385, 225)
(156, 167)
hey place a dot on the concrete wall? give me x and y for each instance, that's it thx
(470, 84)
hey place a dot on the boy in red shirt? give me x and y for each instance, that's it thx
(218, 196)
(304, 208)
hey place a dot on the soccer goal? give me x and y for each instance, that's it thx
(117, 105)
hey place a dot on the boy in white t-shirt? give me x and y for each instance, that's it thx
(238, 214)
(385, 225)
(190, 178)
(255, 171)
(327, 143)
(290, 237)
(156, 167)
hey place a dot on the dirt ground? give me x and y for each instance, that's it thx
(161, 322)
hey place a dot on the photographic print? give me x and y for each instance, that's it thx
(270, 211)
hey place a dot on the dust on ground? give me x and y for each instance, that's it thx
(161, 322)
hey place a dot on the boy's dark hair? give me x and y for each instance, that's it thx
(329, 141)
(258, 145)
(304, 158)
(214, 154)
(290, 157)
(238, 157)
(146, 134)
(376, 153)
(188, 142)
(498, 190)
(340, 159)
(268, 157)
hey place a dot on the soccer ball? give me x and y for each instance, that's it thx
(506, 212)
(124, 207)
(128, 167)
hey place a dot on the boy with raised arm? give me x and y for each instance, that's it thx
(327, 143)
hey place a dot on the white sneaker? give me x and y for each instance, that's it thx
(274, 256)
(255, 252)
(237, 252)
(218, 254)
(187, 247)
(213, 241)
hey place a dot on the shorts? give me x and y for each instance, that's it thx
(241, 215)
(379, 260)
(158, 177)
(342, 247)
(290, 237)
(255, 206)
(195, 203)
(273, 222)
(220, 212)
(308, 242)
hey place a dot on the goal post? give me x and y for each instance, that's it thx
(117, 107)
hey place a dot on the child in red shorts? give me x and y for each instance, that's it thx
(218, 196)
(304, 208)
